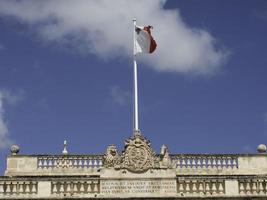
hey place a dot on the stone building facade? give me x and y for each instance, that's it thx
(135, 173)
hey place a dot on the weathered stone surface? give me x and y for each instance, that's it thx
(136, 172)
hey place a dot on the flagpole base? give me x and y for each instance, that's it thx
(137, 132)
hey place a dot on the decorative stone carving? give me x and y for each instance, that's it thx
(138, 156)
(14, 149)
(111, 158)
(165, 160)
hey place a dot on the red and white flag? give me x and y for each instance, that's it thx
(144, 42)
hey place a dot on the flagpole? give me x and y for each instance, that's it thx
(136, 125)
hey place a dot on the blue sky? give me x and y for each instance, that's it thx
(203, 91)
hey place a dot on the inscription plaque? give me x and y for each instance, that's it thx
(113, 187)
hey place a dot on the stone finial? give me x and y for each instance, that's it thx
(65, 151)
(262, 148)
(163, 149)
(14, 149)
(165, 157)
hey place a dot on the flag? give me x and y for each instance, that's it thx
(144, 42)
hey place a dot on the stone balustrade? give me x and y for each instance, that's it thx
(10, 188)
(88, 176)
(186, 187)
(189, 164)
(69, 188)
(202, 187)
(252, 186)
(69, 161)
(205, 161)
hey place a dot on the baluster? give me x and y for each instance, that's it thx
(50, 164)
(180, 187)
(207, 188)
(204, 163)
(228, 162)
(75, 163)
(59, 162)
(45, 164)
(90, 163)
(213, 188)
(199, 163)
(194, 187)
(219, 163)
(220, 188)
(95, 163)
(177, 162)
(224, 162)
(68, 187)
(89, 187)
(260, 187)
(82, 188)
(34, 187)
(209, 162)
(92, 186)
(80, 163)
(13, 188)
(55, 165)
(40, 164)
(75, 187)
(27, 187)
(234, 163)
(53, 187)
(16, 187)
(61, 187)
(213, 162)
(71, 187)
(69, 162)
(20, 189)
(183, 163)
(254, 187)
(201, 188)
(85, 185)
(100, 163)
(30, 187)
(96, 187)
(85, 164)
(8, 187)
(241, 188)
(187, 187)
(193, 163)
(247, 187)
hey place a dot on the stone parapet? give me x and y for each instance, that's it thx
(137, 172)
(104, 188)
(184, 164)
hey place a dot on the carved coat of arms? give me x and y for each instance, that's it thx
(138, 156)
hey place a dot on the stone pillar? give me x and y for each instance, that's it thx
(231, 188)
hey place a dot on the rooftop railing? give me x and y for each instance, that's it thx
(182, 163)
(69, 161)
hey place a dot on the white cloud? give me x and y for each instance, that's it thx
(4, 133)
(7, 97)
(120, 96)
(104, 28)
